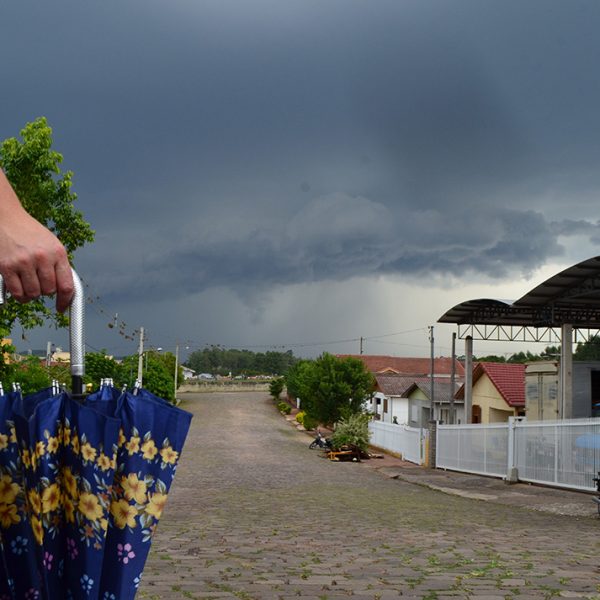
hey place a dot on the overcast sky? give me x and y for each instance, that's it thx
(282, 174)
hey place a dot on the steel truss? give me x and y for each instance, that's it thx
(520, 333)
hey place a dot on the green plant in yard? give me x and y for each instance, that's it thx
(309, 423)
(276, 387)
(284, 407)
(300, 417)
(352, 431)
(330, 387)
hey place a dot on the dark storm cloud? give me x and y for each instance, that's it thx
(236, 144)
(333, 237)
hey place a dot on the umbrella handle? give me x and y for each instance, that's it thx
(77, 338)
(76, 333)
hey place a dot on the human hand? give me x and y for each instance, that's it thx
(33, 262)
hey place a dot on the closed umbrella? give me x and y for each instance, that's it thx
(83, 488)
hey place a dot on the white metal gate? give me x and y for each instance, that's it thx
(558, 453)
(481, 449)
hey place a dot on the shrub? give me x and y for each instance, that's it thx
(300, 417)
(276, 387)
(352, 431)
(284, 407)
(309, 423)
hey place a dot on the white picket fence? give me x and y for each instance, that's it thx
(400, 439)
(558, 453)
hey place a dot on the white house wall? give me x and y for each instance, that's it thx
(398, 408)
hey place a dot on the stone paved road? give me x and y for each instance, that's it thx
(255, 514)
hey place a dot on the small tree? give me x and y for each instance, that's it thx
(33, 169)
(330, 387)
(296, 380)
(276, 387)
(158, 377)
(100, 366)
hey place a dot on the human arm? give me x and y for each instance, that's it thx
(33, 262)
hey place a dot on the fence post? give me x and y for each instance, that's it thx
(512, 474)
(432, 444)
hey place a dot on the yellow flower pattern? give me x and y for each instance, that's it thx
(88, 453)
(123, 513)
(124, 500)
(78, 479)
(50, 498)
(133, 488)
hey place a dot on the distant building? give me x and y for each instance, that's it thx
(6, 355)
(403, 387)
(188, 373)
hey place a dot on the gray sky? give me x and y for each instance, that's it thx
(293, 172)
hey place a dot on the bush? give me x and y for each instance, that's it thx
(352, 431)
(276, 387)
(300, 417)
(309, 423)
(284, 407)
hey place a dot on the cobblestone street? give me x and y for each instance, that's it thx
(255, 514)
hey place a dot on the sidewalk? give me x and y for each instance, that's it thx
(489, 489)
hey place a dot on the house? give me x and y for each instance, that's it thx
(187, 372)
(6, 355)
(406, 400)
(448, 409)
(389, 402)
(498, 392)
(61, 356)
(396, 375)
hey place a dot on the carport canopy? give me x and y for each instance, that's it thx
(567, 301)
(570, 297)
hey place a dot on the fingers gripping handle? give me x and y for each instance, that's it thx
(76, 332)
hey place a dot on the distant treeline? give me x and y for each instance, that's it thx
(584, 351)
(219, 361)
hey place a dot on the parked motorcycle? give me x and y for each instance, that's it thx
(596, 499)
(321, 441)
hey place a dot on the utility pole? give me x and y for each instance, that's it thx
(141, 356)
(468, 379)
(48, 354)
(361, 345)
(176, 369)
(431, 402)
(453, 379)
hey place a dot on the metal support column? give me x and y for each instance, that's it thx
(469, 379)
(566, 372)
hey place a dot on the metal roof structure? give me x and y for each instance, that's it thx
(571, 297)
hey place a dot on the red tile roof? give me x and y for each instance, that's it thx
(408, 365)
(508, 379)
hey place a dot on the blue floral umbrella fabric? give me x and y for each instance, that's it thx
(64, 466)
(16, 538)
(82, 487)
(151, 439)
